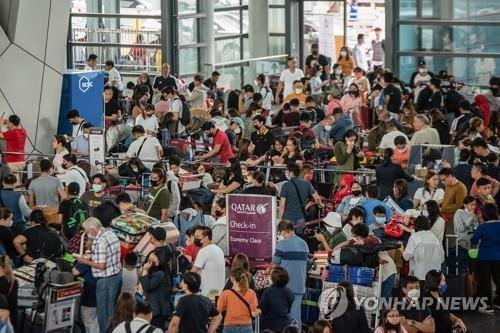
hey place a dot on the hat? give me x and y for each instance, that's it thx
(73, 188)
(333, 219)
(421, 63)
(413, 213)
(358, 69)
(158, 233)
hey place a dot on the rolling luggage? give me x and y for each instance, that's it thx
(310, 307)
(362, 276)
(144, 247)
(131, 227)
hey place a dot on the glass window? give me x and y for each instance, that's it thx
(188, 62)
(187, 6)
(482, 10)
(277, 45)
(227, 50)
(472, 71)
(228, 23)
(188, 31)
(277, 2)
(244, 19)
(470, 39)
(277, 20)
(226, 3)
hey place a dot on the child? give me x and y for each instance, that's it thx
(377, 228)
(130, 274)
(191, 250)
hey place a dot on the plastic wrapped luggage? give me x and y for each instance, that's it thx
(144, 247)
(131, 227)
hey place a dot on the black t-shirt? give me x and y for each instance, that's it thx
(436, 100)
(36, 240)
(415, 313)
(313, 60)
(209, 84)
(395, 98)
(262, 141)
(261, 190)
(6, 238)
(166, 253)
(111, 108)
(194, 312)
(441, 316)
(162, 82)
(67, 209)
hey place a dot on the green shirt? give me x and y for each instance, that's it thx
(334, 239)
(156, 203)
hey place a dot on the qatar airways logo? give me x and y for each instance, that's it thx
(250, 209)
(84, 84)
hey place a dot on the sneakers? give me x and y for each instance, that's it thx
(489, 310)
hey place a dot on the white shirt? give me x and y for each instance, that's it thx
(149, 150)
(135, 325)
(88, 68)
(58, 162)
(114, 75)
(388, 139)
(423, 79)
(267, 97)
(176, 107)
(210, 261)
(77, 129)
(438, 229)
(287, 77)
(425, 252)
(359, 55)
(423, 196)
(76, 174)
(149, 124)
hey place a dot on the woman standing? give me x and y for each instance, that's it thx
(219, 229)
(487, 235)
(241, 260)
(239, 304)
(465, 221)
(58, 144)
(347, 154)
(156, 286)
(441, 125)
(354, 318)
(345, 61)
(6, 235)
(387, 173)
(8, 287)
(124, 311)
(351, 104)
(429, 191)
(276, 302)
(431, 210)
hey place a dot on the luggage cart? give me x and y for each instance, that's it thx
(62, 302)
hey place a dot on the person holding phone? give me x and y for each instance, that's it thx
(347, 154)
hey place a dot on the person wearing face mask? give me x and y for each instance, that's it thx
(391, 322)
(74, 174)
(420, 79)
(297, 93)
(424, 251)
(262, 137)
(401, 151)
(148, 120)
(345, 61)
(347, 154)
(159, 199)
(72, 212)
(221, 147)
(264, 90)
(351, 104)
(245, 99)
(414, 316)
(316, 59)
(288, 78)
(444, 320)
(331, 234)
(465, 221)
(96, 196)
(144, 147)
(106, 267)
(209, 262)
(219, 229)
(349, 202)
(388, 140)
(362, 82)
(81, 144)
(317, 84)
(6, 235)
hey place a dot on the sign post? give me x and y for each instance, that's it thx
(251, 226)
(97, 152)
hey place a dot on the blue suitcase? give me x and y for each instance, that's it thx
(362, 276)
(337, 273)
(310, 307)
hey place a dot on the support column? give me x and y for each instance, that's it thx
(111, 53)
(207, 36)
(168, 33)
(258, 34)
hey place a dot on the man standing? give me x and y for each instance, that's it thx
(209, 263)
(420, 79)
(341, 124)
(378, 48)
(81, 144)
(436, 101)
(15, 138)
(424, 133)
(211, 83)
(74, 174)
(106, 268)
(291, 254)
(165, 79)
(287, 79)
(96, 196)
(221, 146)
(392, 95)
(262, 138)
(294, 196)
(317, 59)
(146, 148)
(176, 109)
(143, 314)
(91, 63)
(114, 77)
(16, 202)
(359, 53)
(46, 191)
(77, 122)
(454, 195)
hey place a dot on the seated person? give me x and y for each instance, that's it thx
(349, 202)
(233, 178)
(259, 186)
(378, 226)
(124, 202)
(331, 233)
(360, 236)
(292, 117)
(414, 316)
(402, 151)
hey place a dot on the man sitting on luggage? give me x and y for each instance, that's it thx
(360, 236)
(331, 234)
(143, 314)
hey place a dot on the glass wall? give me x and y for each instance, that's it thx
(460, 36)
(277, 27)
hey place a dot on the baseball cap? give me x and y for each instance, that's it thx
(421, 63)
(333, 219)
(158, 233)
(73, 188)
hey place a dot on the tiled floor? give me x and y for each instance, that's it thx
(477, 322)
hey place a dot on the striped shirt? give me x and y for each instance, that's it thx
(291, 254)
(106, 249)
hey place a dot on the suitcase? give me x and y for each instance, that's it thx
(131, 227)
(310, 307)
(362, 276)
(144, 247)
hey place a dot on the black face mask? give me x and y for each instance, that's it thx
(390, 326)
(257, 127)
(315, 52)
(197, 242)
(155, 183)
(219, 213)
(495, 91)
(356, 193)
(65, 166)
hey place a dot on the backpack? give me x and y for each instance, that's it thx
(178, 263)
(185, 116)
(79, 213)
(186, 221)
(146, 328)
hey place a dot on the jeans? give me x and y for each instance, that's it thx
(296, 310)
(387, 286)
(299, 226)
(107, 291)
(238, 329)
(89, 318)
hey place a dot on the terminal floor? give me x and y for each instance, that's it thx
(477, 322)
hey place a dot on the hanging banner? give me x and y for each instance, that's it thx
(327, 35)
(251, 226)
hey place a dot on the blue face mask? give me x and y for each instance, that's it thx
(443, 288)
(380, 220)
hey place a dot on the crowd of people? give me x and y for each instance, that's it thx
(348, 151)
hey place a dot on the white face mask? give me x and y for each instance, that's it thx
(328, 128)
(425, 213)
(331, 230)
(85, 135)
(422, 71)
(414, 294)
(343, 53)
(8, 222)
(237, 130)
(255, 82)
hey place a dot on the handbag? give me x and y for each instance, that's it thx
(244, 301)
(393, 229)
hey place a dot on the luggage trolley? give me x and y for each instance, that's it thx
(62, 302)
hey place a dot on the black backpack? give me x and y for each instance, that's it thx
(79, 213)
(178, 263)
(146, 328)
(185, 116)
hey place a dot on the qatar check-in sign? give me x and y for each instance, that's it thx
(251, 226)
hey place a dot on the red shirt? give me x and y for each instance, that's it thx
(15, 141)
(192, 251)
(225, 153)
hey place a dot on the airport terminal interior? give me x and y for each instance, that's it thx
(321, 166)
